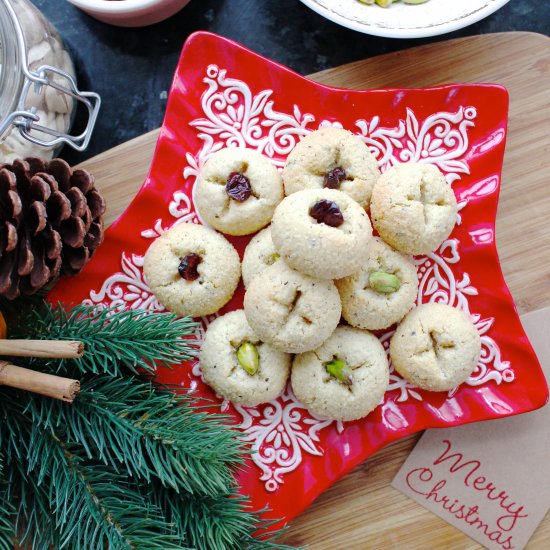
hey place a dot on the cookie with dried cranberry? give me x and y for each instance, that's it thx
(332, 158)
(321, 232)
(343, 379)
(259, 254)
(238, 365)
(192, 270)
(237, 191)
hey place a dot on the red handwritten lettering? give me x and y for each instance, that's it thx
(421, 482)
(507, 543)
(507, 521)
(459, 457)
(479, 481)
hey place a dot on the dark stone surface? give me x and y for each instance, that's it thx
(132, 68)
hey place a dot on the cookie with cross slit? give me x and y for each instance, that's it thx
(237, 191)
(436, 347)
(413, 208)
(321, 232)
(238, 365)
(192, 270)
(259, 254)
(332, 158)
(382, 291)
(345, 378)
(292, 311)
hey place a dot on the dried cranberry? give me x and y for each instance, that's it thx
(188, 267)
(238, 187)
(327, 212)
(334, 178)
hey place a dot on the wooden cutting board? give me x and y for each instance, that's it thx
(362, 511)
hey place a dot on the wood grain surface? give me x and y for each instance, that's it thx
(362, 511)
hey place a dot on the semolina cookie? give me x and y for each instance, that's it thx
(332, 158)
(259, 254)
(192, 270)
(345, 378)
(413, 208)
(238, 365)
(382, 291)
(322, 233)
(292, 311)
(237, 191)
(436, 347)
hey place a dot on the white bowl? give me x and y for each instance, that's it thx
(406, 20)
(130, 13)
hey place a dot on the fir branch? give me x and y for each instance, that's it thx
(221, 523)
(150, 432)
(67, 467)
(33, 519)
(115, 341)
(92, 507)
(7, 511)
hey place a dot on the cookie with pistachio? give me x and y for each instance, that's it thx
(382, 291)
(238, 365)
(192, 270)
(345, 378)
(237, 191)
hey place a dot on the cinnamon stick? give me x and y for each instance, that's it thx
(61, 349)
(57, 387)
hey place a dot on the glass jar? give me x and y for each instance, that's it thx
(38, 92)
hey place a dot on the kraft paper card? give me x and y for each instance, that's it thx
(491, 479)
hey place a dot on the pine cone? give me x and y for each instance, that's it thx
(50, 223)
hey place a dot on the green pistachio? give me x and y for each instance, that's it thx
(383, 282)
(384, 3)
(273, 258)
(339, 370)
(248, 357)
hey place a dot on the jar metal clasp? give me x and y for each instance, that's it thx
(26, 119)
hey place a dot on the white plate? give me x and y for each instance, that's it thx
(406, 20)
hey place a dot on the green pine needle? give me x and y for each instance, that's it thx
(33, 523)
(132, 425)
(92, 507)
(115, 341)
(33, 519)
(7, 534)
(129, 465)
(221, 523)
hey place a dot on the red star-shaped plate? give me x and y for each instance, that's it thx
(223, 95)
